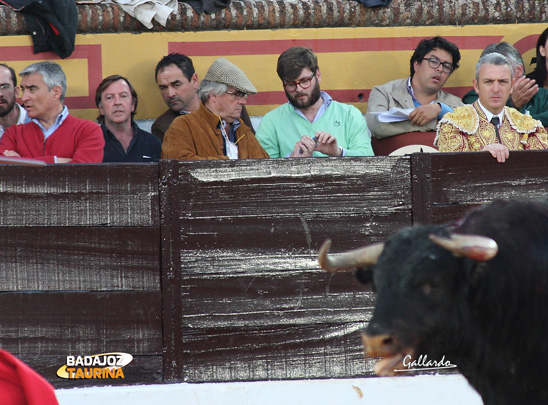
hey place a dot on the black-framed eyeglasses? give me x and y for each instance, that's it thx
(435, 63)
(304, 83)
(238, 95)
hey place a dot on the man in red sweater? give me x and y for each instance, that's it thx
(53, 135)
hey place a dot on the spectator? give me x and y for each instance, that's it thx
(215, 130)
(178, 83)
(311, 123)
(11, 113)
(53, 135)
(488, 124)
(433, 61)
(124, 140)
(539, 75)
(526, 95)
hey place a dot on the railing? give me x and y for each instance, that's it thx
(206, 271)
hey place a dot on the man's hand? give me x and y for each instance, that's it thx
(498, 151)
(304, 147)
(63, 160)
(524, 89)
(327, 144)
(11, 153)
(423, 114)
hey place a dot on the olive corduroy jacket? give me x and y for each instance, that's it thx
(195, 136)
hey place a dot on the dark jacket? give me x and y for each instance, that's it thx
(52, 23)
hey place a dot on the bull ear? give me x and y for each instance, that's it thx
(480, 248)
(353, 259)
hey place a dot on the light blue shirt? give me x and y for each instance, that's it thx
(444, 107)
(58, 121)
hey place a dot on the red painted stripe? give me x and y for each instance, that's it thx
(269, 47)
(344, 96)
(91, 53)
(527, 43)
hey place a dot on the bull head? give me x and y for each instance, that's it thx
(480, 248)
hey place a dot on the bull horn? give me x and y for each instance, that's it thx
(353, 259)
(480, 248)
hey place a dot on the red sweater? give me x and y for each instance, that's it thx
(79, 139)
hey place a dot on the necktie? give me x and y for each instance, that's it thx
(495, 121)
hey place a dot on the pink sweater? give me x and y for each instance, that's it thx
(79, 139)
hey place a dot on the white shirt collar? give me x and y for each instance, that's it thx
(490, 115)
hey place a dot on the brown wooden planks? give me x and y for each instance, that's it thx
(252, 302)
(79, 195)
(79, 258)
(461, 181)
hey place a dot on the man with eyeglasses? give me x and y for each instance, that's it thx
(178, 82)
(488, 124)
(11, 113)
(215, 130)
(311, 123)
(433, 61)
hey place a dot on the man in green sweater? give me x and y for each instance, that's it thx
(311, 123)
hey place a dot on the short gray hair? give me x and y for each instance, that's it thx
(52, 75)
(505, 49)
(207, 88)
(494, 59)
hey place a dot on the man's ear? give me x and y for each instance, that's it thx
(194, 81)
(319, 75)
(476, 87)
(57, 91)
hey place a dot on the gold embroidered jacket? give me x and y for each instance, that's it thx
(466, 129)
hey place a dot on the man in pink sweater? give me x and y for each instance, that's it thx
(53, 135)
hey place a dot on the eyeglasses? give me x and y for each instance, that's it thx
(434, 64)
(304, 83)
(4, 88)
(238, 95)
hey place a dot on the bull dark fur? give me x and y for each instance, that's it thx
(489, 318)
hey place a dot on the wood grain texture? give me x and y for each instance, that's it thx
(79, 258)
(79, 195)
(461, 181)
(252, 302)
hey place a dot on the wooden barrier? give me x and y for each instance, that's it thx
(206, 271)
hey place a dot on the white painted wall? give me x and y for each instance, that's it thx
(419, 390)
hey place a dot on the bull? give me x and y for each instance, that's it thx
(474, 292)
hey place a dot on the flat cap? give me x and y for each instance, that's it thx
(226, 72)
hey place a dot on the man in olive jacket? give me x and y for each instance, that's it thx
(215, 130)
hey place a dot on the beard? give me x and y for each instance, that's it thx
(7, 108)
(303, 104)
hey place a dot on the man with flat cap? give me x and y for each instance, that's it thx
(215, 130)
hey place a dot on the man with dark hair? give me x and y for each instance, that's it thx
(526, 97)
(178, 83)
(11, 113)
(433, 61)
(215, 130)
(488, 125)
(53, 135)
(124, 140)
(311, 123)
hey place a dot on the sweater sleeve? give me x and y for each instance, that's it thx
(90, 144)
(358, 139)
